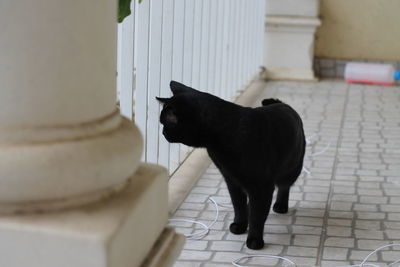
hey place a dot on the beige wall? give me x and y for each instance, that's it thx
(359, 29)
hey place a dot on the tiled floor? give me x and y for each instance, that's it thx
(347, 206)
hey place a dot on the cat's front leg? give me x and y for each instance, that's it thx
(259, 204)
(239, 201)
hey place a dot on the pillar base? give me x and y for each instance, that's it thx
(117, 232)
(88, 162)
(289, 47)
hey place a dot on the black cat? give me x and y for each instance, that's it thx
(255, 149)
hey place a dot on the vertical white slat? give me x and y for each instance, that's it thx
(154, 80)
(255, 30)
(261, 32)
(255, 36)
(213, 26)
(225, 49)
(125, 71)
(198, 10)
(253, 46)
(219, 32)
(119, 59)
(241, 20)
(189, 56)
(188, 42)
(232, 50)
(166, 73)
(236, 63)
(246, 48)
(142, 25)
(177, 66)
(255, 27)
(233, 88)
(230, 84)
(204, 48)
(254, 52)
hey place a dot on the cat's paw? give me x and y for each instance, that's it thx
(255, 243)
(238, 228)
(280, 208)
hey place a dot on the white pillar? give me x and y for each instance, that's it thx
(63, 140)
(64, 145)
(290, 27)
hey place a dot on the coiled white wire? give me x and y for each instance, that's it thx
(236, 262)
(206, 228)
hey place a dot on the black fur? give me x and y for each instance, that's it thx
(256, 150)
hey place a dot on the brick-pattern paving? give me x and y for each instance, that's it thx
(347, 206)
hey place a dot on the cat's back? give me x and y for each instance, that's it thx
(275, 110)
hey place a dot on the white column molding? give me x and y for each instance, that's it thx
(63, 143)
(290, 27)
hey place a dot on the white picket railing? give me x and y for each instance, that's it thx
(211, 45)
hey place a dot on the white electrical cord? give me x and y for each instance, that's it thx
(362, 264)
(308, 139)
(306, 170)
(308, 142)
(322, 151)
(236, 262)
(206, 228)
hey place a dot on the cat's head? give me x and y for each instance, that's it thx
(182, 116)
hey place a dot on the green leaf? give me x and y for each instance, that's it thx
(124, 9)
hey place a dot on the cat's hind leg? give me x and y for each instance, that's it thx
(239, 201)
(282, 198)
(259, 206)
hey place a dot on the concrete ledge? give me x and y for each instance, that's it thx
(165, 250)
(288, 74)
(117, 232)
(198, 161)
(296, 22)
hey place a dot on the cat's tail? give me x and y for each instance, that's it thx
(270, 101)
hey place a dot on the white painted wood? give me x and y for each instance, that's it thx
(204, 45)
(261, 31)
(213, 46)
(177, 67)
(142, 25)
(231, 30)
(188, 57)
(242, 22)
(225, 49)
(236, 56)
(154, 76)
(188, 47)
(198, 11)
(248, 44)
(125, 73)
(119, 61)
(166, 75)
(219, 25)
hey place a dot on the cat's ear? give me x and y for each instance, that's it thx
(162, 100)
(178, 88)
